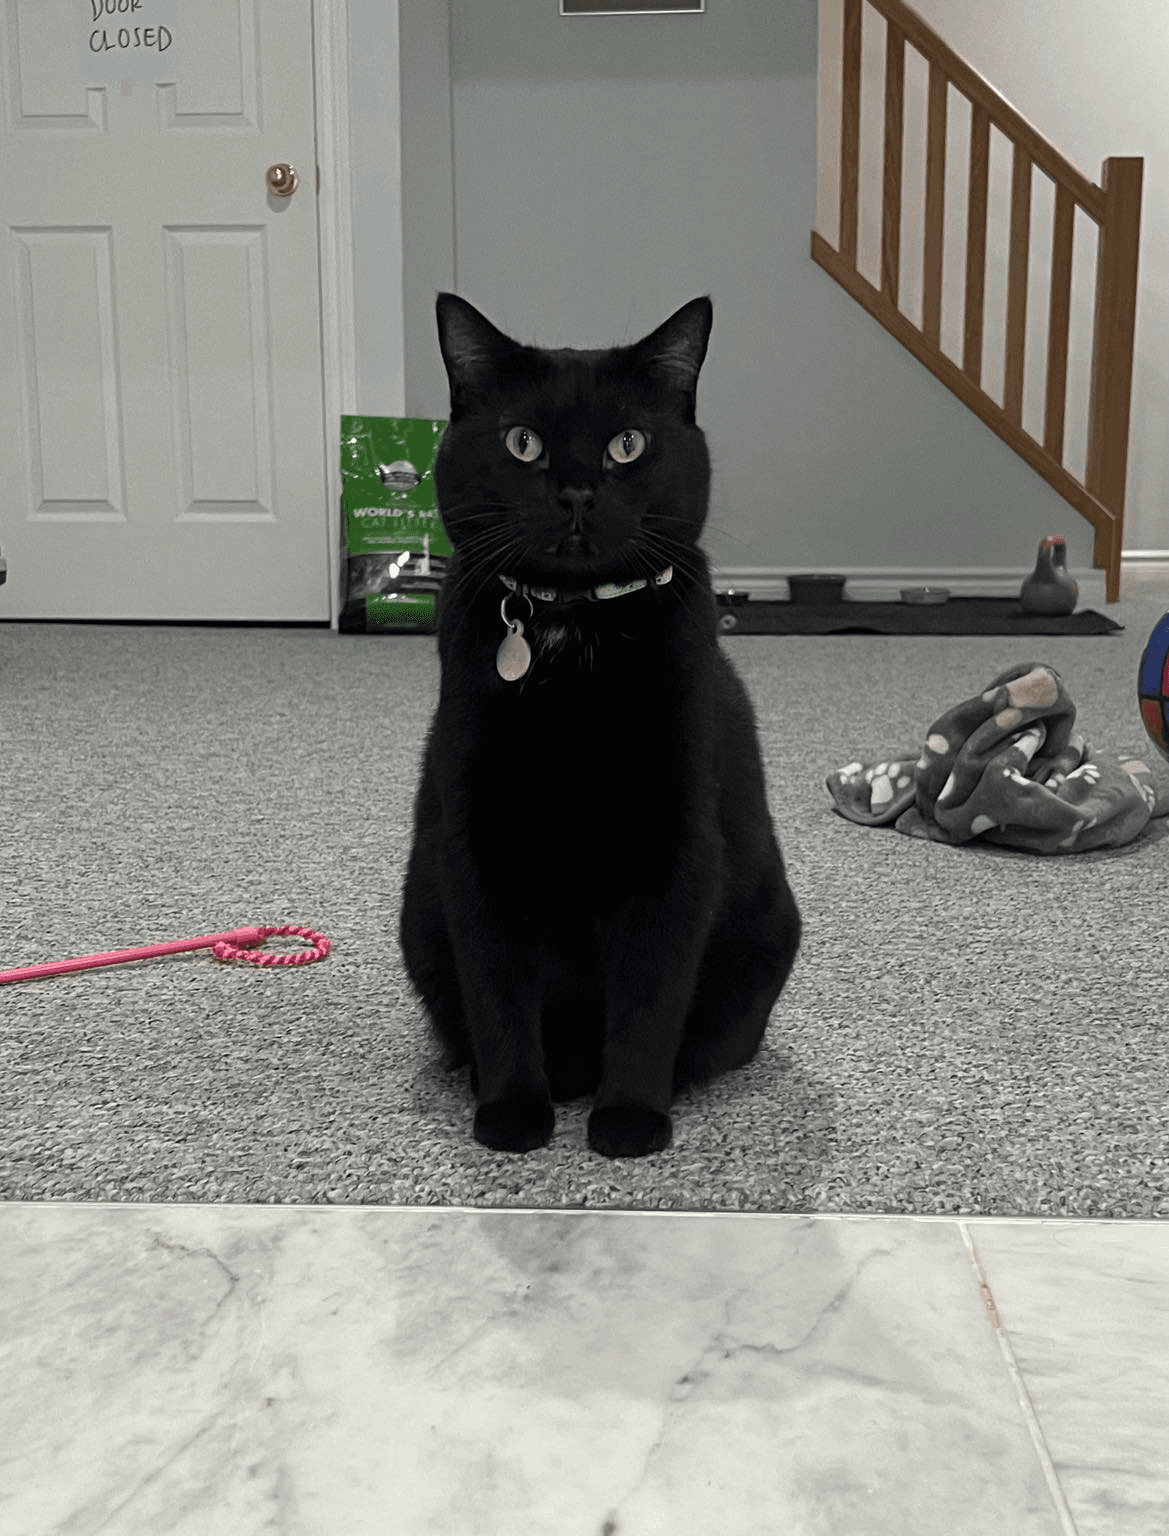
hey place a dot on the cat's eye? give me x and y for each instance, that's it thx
(627, 446)
(524, 444)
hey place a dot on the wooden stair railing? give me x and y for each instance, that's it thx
(1115, 205)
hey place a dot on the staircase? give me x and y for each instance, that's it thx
(1114, 205)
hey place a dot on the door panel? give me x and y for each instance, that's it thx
(220, 366)
(65, 303)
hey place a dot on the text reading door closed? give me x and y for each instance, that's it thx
(162, 444)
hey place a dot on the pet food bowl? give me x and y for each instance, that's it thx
(925, 594)
(816, 589)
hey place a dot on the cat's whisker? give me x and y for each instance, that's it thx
(712, 525)
(482, 558)
(685, 561)
(673, 554)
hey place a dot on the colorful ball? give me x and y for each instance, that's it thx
(1153, 686)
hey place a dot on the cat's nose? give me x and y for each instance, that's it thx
(577, 499)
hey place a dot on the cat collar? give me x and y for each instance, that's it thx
(590, 594)
(514, 656)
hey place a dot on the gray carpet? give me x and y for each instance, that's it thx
(967, 1031)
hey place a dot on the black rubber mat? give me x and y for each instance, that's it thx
(956, 616)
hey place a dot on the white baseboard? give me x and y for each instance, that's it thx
(882, 584)
(1152, 563)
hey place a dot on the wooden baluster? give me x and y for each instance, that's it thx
(935, 203)
(891, 194)
(976, 243)
(850, 131)
(1055, 406)
(1020, 241)
(1112, 347)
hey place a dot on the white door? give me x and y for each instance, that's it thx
(162, 442)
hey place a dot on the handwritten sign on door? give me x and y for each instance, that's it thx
(120, 40)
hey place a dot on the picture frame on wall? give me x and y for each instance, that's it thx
(631, 8)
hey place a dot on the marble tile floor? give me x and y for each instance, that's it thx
(184, 1370)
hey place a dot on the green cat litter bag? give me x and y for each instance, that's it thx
(394, 549)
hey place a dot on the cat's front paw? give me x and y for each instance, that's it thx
(515, 1125)
(626, 1130)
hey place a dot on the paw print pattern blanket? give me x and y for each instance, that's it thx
(1007, 766)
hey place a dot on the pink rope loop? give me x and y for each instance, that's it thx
(321, 946)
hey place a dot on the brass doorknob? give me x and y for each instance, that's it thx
(282, 178)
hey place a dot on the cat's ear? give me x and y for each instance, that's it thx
(472, 349)
(676, 350)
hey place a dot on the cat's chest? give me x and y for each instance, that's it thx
(588, 751)
(577, 764)
(594, 704)
(564, 640)
(589, 673)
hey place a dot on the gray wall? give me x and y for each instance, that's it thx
(375, 173)
(580, 178)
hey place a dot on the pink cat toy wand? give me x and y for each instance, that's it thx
(235, 944)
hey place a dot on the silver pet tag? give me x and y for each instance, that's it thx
(514, 655)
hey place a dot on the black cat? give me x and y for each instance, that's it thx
(595, 901)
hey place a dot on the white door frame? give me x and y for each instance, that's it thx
(335, 245)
